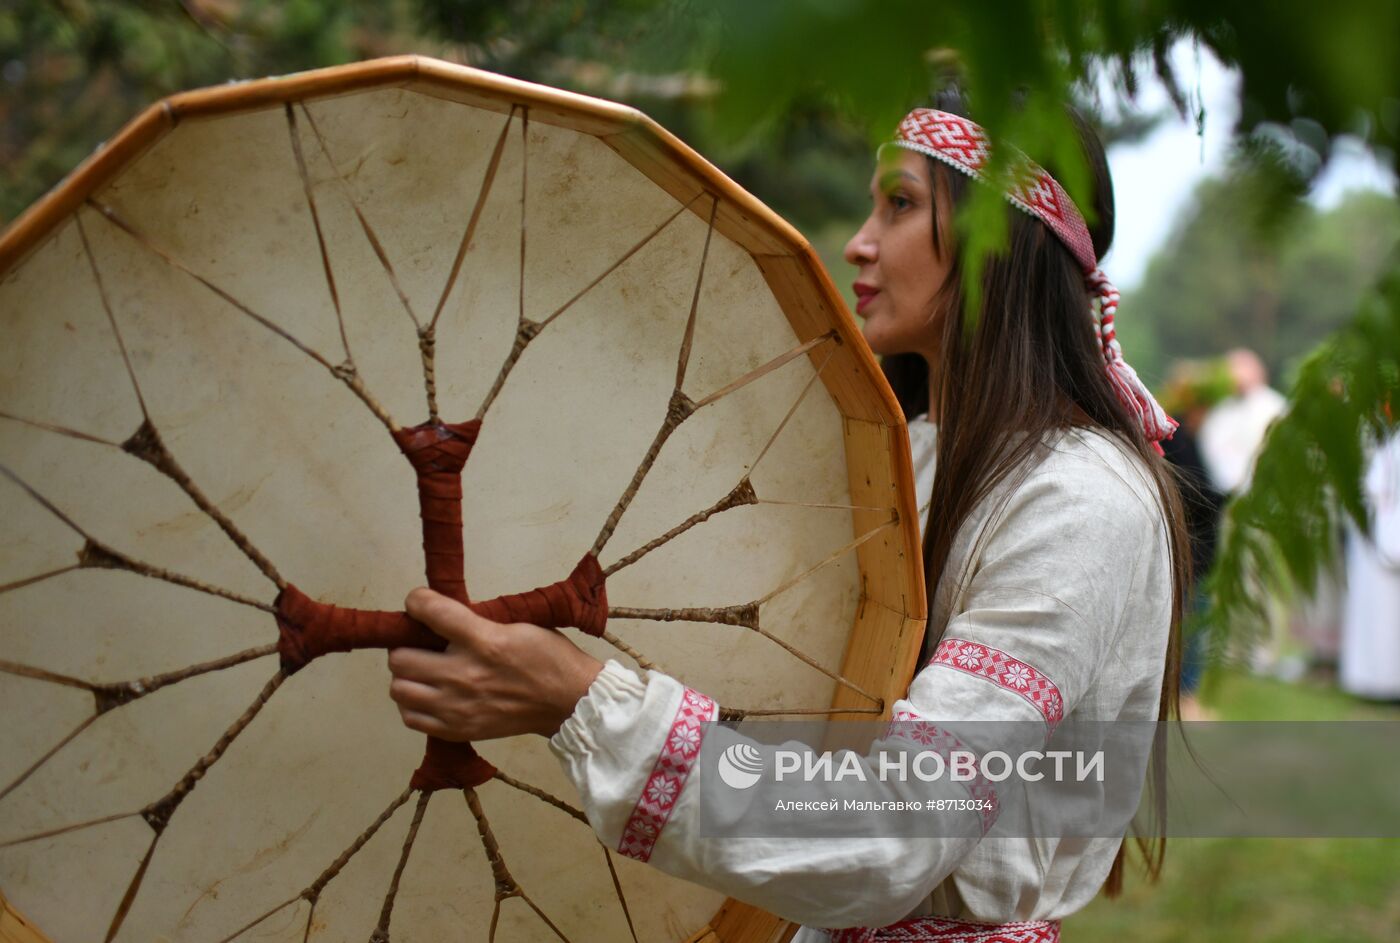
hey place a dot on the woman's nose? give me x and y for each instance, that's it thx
(862, 247)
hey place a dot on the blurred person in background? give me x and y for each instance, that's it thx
(1233, 430)
(1369, 664)
(1230, 436)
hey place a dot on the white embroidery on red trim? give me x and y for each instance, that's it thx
(949, 930)
(663, 787)
(910, 726)
(1000, 668)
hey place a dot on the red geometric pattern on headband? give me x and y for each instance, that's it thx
(956, 139)
(962, 144)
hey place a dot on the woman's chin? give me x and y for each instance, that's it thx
(885, 342)
(880, 342)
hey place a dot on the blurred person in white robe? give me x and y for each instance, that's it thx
(1369, 665)
(1230, 439)
(1234, 430)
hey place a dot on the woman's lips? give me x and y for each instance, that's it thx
(864, 295)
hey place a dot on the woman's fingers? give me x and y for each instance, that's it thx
(493, 680)
(436, 611)
(447, 714)
(428, 724)
(448, 618)
(412, 695)
(419, 664)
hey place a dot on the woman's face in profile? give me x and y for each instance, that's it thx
(900, 274)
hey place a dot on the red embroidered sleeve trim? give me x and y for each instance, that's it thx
(663, 787)
(1001, 669)
(909, 726)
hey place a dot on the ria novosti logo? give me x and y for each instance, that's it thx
(740, 765)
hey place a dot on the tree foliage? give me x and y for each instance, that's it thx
(74, 71)
(1311, 72)
(1223, 281)
(788, 98)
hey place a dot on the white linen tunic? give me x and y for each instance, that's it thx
(1064, 610)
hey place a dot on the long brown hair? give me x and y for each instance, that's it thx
(1030, 367)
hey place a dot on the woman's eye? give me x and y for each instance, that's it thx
(899, 201)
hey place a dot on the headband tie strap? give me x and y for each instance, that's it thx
(963, 145)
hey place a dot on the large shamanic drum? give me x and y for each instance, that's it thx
(283, 350)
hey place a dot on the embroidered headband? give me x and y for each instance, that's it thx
(963, 145)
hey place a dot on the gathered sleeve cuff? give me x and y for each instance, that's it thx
(630, 748)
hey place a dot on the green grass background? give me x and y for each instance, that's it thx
(1261, 890)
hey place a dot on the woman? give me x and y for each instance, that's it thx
(1055, 556)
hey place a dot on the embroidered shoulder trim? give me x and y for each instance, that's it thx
(663, 787)
(1001, 669)
(908, 725)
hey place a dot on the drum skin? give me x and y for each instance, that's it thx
(186, 255)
